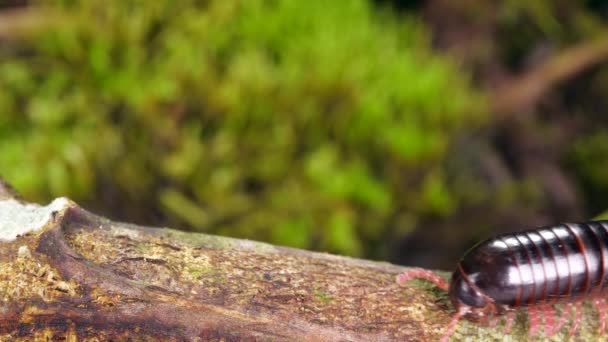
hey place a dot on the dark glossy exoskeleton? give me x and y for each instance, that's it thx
(533, 270)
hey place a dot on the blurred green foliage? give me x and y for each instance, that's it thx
(528, 25)
(588, 157)
(313, 124)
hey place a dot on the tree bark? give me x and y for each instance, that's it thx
(81, 277)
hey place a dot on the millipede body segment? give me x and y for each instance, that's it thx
(534, 270)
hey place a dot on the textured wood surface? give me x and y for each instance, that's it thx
(82, 277)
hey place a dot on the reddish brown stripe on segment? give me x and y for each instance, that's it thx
(541, 260)
(514, 259)
(583, 250)
(477, 290)
(566, 254)
(557, 277)
(590, 230)
(601, 286)
(532, 295)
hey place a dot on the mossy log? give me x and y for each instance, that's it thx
(67, 274)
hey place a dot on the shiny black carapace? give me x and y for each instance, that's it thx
(531, 270)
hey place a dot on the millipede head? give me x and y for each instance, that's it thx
(469, 300)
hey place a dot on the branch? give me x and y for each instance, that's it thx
(522, 93)
(74, 275)
(15, 22)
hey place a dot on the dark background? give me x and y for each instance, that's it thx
(393, 130)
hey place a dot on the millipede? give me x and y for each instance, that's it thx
(530, 270)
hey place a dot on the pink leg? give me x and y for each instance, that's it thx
(493, 322)
(578, 317)
(452, 326)
(424, 274)
(534, 320)
(548, 314)
(564, 316)
(600, 305)
(510, 320)
(485, 320)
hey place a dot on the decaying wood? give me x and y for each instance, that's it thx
(82, 277)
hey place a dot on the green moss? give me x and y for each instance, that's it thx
(588, 157)
(245, 118)
(142, 248)
(195, 273)
(322, 296)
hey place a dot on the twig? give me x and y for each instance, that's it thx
(517, 96)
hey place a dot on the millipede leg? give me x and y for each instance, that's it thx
(452, 326)
(424, 274)
(548, 314)
(485, 320)
(600, 305)
(577, 318)
(510, 319)
(534, 318)
(564, 316)
(493, 321)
